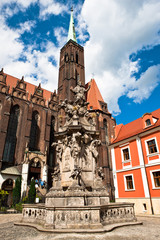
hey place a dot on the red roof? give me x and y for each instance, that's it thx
(30, 88)
(94, 96)
(135, 127)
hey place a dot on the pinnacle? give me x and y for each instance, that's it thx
(71, 32)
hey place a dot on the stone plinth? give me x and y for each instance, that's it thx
(60, 198)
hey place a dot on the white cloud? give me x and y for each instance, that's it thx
(10, 47)
(36, 62)
(146, 84)
(20, 3)
(118, 28)
(61, 36)
(26, 26)
(48, 7)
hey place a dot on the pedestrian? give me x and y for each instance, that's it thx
(36, 183)
(42, 184)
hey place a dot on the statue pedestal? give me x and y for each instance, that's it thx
(78, 199)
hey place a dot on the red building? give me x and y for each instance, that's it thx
(136, 163)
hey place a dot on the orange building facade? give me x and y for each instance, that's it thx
(136, 163)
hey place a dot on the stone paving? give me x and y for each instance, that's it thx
(150, 230)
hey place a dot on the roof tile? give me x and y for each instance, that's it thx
(94, 96)
(30, 88)
(135, 127)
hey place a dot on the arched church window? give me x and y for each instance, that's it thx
(72, 57)
(77, 77)
(105, 126)
(77, 58)
(51, 150)
(10, 144)
(66, 58)
(34, 133)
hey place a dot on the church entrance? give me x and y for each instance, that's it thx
(34, 170)
(8, 186)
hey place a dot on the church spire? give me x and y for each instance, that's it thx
(71, 32)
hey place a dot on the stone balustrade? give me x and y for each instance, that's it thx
(78, 217)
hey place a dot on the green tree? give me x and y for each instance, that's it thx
(17, 191)
(32, 192)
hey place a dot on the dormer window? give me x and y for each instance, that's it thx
(148, 122)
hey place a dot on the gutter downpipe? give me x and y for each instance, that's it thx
(152, 210)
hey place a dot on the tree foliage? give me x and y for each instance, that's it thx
(17, 191)
(32, 192)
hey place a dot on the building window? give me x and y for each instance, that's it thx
(152, 148)
(76, 57)
(66, 58)
(156, 179)
(11, 139)
(144, 207)
(51, 149)
(148, 122)
(34, 133)
(105, 126)
(126, 155)
(129, 184)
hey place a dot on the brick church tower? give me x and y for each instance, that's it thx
(71, 69)
(71, 66)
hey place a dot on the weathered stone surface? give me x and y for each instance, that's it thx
(78, 198)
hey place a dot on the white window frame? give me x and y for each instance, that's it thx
(151, 154)
(152, 178)
(128, 160)
(125, 182)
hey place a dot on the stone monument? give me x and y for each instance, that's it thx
(78, 198)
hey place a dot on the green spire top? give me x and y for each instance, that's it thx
(71, 32)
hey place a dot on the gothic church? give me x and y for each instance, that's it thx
(30, 116)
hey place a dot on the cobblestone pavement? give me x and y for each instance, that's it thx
(150, 230)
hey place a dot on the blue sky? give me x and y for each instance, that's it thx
(121, 39)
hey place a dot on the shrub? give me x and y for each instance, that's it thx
(3, 198)
(25, 200)
(17, 191)
(32, 192)
(3, 209)
(19, 207)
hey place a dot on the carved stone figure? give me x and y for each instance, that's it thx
(79, 92)
(56, 173)
(59, 150)
(69, 108)
(75, 174)
(100, 173)
(93, 147)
